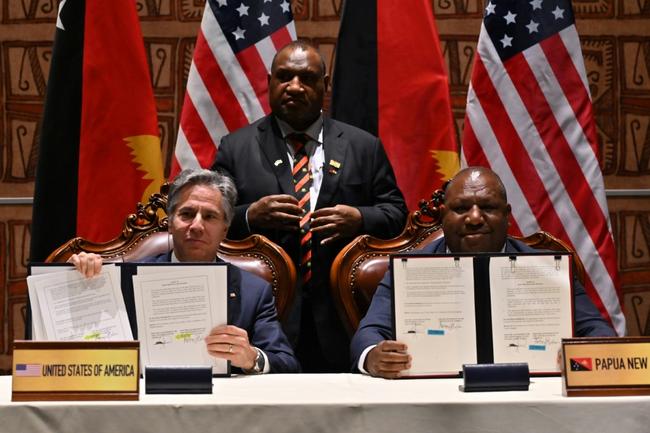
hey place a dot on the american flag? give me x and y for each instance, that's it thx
(27, 370)
(227, 83)
(529, 117)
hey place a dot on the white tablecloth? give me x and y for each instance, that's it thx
(335, 403)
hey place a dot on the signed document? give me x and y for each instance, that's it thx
(466, 309)
(434, 312)
(531, 309)
(66, 306)
(176, 307)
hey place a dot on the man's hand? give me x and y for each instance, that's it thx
(388, 359)
(336, 222)
(231, 343)
(280, 211)
(89, 264)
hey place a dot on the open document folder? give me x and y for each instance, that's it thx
(175, 307)
(455, 310)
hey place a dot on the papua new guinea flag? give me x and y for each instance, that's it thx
(390, 80)
(99, 152)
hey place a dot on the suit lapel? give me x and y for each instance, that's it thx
(440, 247)
(335, 147)
(275, 151)
(234, 294)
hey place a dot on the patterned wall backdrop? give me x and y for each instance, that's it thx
(616, 44)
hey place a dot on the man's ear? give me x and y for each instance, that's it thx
(326, 82)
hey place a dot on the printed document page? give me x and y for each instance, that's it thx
(176, 307)
(434, 312)
(66, 306)
(531, 309)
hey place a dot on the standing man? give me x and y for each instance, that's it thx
(310, 184)
(474, 220)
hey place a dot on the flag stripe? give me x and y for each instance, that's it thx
(571, 41)
(255, 69)
(183, 154)
(481, 152)
(202, 107)
(283, 36)
(572, 85)
(266, 50)
(231, 68)
(193, 134)
(217, 86)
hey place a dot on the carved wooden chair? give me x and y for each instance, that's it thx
(360, 266)
(145, 233)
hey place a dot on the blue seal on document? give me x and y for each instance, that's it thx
(435, 332)
(541, 347)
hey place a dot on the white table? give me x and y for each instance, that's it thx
(335, 403)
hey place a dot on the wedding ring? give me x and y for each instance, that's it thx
(230, 349)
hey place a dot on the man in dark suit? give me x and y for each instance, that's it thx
(351, 191)
(474, 219)
(200, 208)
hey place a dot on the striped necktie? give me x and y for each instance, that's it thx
(302, 183)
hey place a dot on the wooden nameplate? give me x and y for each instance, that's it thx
(606, 366)
(101, 370)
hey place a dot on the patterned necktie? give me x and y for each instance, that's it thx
(302, 183)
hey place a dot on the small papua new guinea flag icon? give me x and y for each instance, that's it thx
(581, 364)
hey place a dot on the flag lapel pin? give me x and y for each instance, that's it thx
(334, 166)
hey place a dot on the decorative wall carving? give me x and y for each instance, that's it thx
(28, 11)
(634, 8)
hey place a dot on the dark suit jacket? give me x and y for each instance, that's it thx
(256, 158)
(376, 325)
(251, 306)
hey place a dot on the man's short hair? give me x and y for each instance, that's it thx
(305, 46)
(204, 177)
(483, 170)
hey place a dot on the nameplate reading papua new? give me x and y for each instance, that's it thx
(606, 366)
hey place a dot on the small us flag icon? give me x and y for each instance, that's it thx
(28, 370)
(580, 364)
